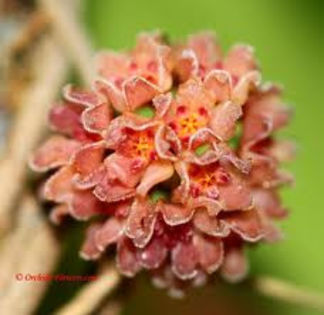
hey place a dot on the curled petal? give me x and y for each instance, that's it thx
(240, 60)
(87, 160)
(55, 152)
(203, 136)
(186, 65)
(210, 252)
(59, 186)
(58, 213)
(66, 119)
(140, 222)
(268, 201)
(80, 97)
(167, 143)
(235, 265)
(206, 47)
(219, 84)
(212, 206)
(283, 151)
(126, 170)
(248, 224)
(109, 233)
(181, 193)
(112, 93)
(96, 119)
(235, 194)
(264, 113)
(154, 254)
(110, 64)
(157, 172)
(139, 91)
(210, 225)
(112, 190)
(184, 260)
(223, 120)
(89, 250)
(162, 103)
(127, 261)
(243, 87)
(84, 204)
(174, 214)
(193, 94)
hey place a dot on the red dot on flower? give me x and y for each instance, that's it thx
(223, 178)
(202, 111)
(181, 109)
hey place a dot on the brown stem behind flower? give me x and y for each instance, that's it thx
(92, 294)
(287, 292)
(71, 36)
(50, 69)
(30, 248)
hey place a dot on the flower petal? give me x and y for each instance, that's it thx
(210, 225)
(248, 224)
(140, 222)
(58, 213)
(80, 97)
(223, 120)
(235, 265)
(219, 84)
(84, 205)
(162, 103)
(157, 172)
(240, 60)
(127, 170)
(167, 143)
(153, 255)
(55, 152)
(184, 260)
(186, 65)
(206, 47)
(127, 261)
(174, 214)
(86, 162)
(96, 118)
(89, 250)
(241, 91)
(58, 187)
(210, 252)
(112, 93)
(139, 91)
(108, 190)
(109, 233)
(235, 194)
(268, 201)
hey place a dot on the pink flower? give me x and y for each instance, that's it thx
(173, 154)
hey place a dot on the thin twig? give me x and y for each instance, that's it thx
(70, 33)
(92, 294)
(281, 290)
(50, 71)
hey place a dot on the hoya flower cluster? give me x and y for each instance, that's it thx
(172, 155)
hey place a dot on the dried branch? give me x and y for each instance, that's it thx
(281, 290)
(30, 248)
(92, 294)
(50, 69)
(70, 34)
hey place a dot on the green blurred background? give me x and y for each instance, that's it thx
(288, 38)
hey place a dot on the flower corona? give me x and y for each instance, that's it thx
(173, 156)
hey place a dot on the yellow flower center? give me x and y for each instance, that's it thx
(190, 124)
(142, 146)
